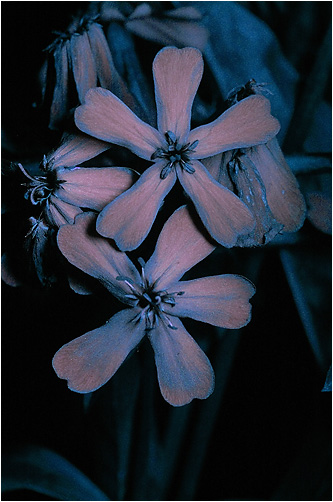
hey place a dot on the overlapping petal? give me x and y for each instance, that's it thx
(245, 124)
(129, 218)
(60, 93)
(105, 117)
(282, 191)
(94, 188)
(59, 212)
(177, 75)
(181, 244)
(75, 149)
(184, 371)
(221, 300)
(89, 361)
(224, 215)
(84, 74)
(92, 254)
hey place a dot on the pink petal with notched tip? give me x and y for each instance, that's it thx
(177, 75)
(282, 192)
(94, 188)
(83, 64)
(129, 218)
(75, 149)
(92, 254)
(58, 212)
(181, 245)
(89, 361)
(105, 117)
(184, 371)
(224, 215)
(221, 300)
(245, 124)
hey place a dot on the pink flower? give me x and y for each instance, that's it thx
(57, 193)
(63, 189)
(155, 301)
(175, 150)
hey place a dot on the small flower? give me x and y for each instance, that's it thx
(175, 150)
(58, 193)
(80, 54)
(155, 300)
(62, 189)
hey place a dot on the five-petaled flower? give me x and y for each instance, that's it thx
(155, 300)
(175, 150)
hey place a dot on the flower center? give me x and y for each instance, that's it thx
(40, 188)
(174, 154)
(150, 302)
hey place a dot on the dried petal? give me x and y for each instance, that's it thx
(60, 93)
(282, 191)
(184, 371)
(83, 64)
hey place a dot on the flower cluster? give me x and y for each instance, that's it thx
(238, 189)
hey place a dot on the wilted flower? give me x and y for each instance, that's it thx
(262, 179)
(82, 55)
(175, 150)
(61, 189)
(155, 301)
(179, 26)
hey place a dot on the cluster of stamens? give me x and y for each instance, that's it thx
(174, 154)
(150, 301)
(40, 188)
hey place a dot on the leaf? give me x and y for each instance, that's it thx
(44, 471)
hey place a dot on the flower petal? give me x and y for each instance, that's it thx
(60, 93)
(224, 215)
(282, 192)
(221, 300)
(184, 371)
(251, 190)
(245, 124)
(94, 188)
(177, 75)
(89, 361)
(104, 116)
(129, 218)
(88, 251)
(83, 64)
(75, 149)
(58, 212)
(180, 246)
